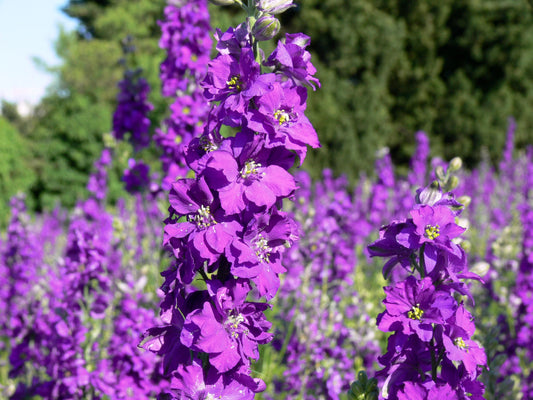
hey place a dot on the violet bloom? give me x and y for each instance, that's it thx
(234, 82)
(136, 177)
(280, 115)
(257, 255)
(230, 330)
(293, 60)
(458, 345)
(191, 381)
(397, 241)
(251, 175)
(205, 230)
(426, 390)
(412, 307)
(436, 225)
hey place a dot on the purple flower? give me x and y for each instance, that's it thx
(458, 345)
(412, 307)
(230, 330)
(234, 82)
(280, 115)
(257, 254)
(136, 177)
(250, 175)
(206, 230)
(293, 60)
(192, 382)
(436, 225)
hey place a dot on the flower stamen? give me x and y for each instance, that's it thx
(416, 313)
(432, 232)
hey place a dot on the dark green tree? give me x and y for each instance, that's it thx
(69, 123)
(15, 174)
(454, 68)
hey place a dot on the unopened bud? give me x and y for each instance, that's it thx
(439, 172)
(274, 6)
(455, 164)
(464, 200)
(430, 194)
(453, 183)
(480, 268)
(466, 245)
(222, 2)
(266, 27)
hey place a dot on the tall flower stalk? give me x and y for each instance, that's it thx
(226, 229)
(187, 42)
(431, 351)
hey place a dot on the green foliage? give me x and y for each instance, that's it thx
(65, 145)
(69, 123)
(363, 388)
(454, 68)
(15, 175)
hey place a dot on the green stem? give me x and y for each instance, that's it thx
(434, 363)
(422, 268)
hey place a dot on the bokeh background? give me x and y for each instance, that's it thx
(457, 69)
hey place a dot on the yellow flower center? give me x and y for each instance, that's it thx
(459, 342)
(262, 250)
(251, 167)
(234, 83)
(282, 116)
(416, 313)
(432, 232)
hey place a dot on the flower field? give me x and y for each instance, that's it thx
(228, 273)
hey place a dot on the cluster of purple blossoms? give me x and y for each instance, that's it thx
(131, 114)
(324, 332)
(186, 39)
(57, 351)
(431, 351)
(524, 290)
(225, 228)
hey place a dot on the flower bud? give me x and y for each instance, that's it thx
(274, 6)
(439, 173)
(464, 200)
(466, 245)
(265, 28)
(430, 194)
(480, 268)
(455, 164)
(453, 183)
(222, 2)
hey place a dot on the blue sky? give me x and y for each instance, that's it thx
(28, 28)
